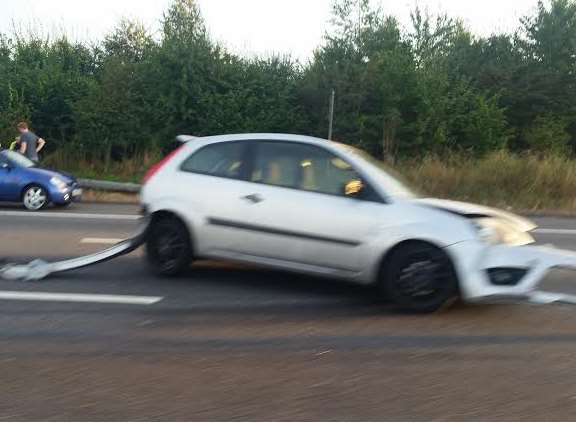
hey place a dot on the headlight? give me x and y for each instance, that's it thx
(59, 183)
(496, 231)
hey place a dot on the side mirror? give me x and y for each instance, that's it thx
(354, 188)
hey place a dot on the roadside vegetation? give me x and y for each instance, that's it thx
(520, 182)
(490, 119)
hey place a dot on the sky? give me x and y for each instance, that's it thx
(246, 26)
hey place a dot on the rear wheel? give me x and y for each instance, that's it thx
(35, 198)
(419, 277)
(168, 248)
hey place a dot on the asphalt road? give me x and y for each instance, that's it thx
(230, 343)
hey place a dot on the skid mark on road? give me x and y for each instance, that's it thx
(82, 298)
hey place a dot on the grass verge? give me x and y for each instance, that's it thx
(518, 182)
(91, 195)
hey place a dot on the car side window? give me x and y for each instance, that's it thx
(221, 160)
(276, 163)
(301, 166)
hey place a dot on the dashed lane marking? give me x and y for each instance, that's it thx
(82, 298)
(100, 241)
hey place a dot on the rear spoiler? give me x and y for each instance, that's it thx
(182, 139)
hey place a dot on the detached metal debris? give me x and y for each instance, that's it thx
(38, 269)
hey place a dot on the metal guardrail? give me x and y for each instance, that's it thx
(109, 186)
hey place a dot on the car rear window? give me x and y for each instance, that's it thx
(221, 160)
(18, 159)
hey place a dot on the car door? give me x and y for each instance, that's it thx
(213, 180)
(299, 212)
(8, 180)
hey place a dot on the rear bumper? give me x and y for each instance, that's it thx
(473, 260)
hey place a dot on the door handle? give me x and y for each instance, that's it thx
(253, 198)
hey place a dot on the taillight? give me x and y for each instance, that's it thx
(156, 167)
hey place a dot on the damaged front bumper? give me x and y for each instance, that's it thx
(509, 273)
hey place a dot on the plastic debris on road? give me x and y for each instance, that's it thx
(36, 270)
(545, 298)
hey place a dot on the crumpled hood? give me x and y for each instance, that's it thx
(469, 210)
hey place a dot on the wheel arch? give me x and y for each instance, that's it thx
(172, 214)
(31, 184)
(384, 260)
(452, 293)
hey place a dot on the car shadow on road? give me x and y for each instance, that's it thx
(296, 295)
(222, 288)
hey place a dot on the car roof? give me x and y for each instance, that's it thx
(255, 136)
(6, 153)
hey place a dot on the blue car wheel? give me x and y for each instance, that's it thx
(35, 198)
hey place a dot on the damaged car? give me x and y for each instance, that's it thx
(323, 208)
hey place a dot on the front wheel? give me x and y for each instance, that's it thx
(168, 247)
(419, 277)
(35, 198)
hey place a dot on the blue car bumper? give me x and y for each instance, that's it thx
(72, 193)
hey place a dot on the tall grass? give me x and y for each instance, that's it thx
(129, 170)
(500, 179)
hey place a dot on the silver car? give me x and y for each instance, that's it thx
(318, 207)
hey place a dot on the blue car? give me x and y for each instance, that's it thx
(21, 180)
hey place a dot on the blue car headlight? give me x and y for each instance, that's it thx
(59, 183)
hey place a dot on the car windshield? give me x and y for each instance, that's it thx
(394, 183)
(18, 159)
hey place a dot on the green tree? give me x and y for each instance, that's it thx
(434, 86)
(548, 84)
(114, 113)
(548, 135)
(458, 113)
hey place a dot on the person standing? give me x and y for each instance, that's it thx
(30, 143)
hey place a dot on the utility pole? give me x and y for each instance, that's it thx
(358, 29)
(331, 114)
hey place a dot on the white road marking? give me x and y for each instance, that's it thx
(82, 298)
(70, 215)
(555, 231)
(100, 241)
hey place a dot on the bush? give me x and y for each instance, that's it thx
(548, 135)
